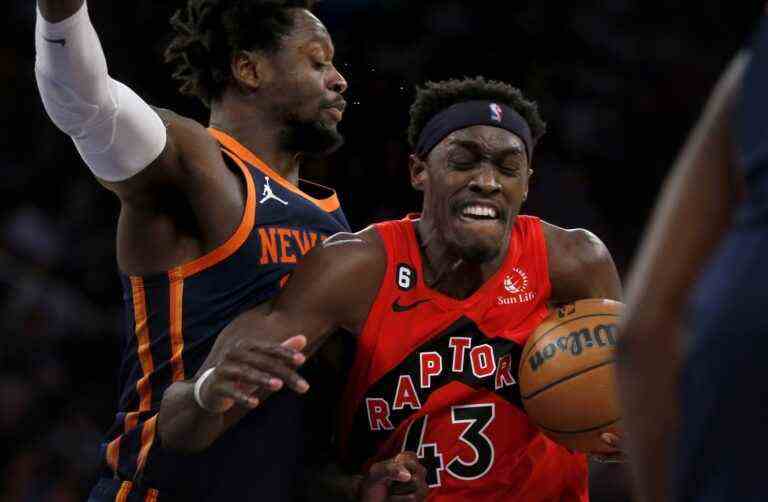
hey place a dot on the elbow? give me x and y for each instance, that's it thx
(173, 424)
(174, 441)
(68, 111)
(171, 440)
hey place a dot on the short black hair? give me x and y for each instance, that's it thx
(209, 32)
(435, 97)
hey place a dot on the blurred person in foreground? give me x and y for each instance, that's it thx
(212, 222)
(442, 304)
(691, 366)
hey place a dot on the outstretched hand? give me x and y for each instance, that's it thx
(248, 369)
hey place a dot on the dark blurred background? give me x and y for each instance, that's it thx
(620, 82)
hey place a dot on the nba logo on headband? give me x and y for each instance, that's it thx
(496, 112)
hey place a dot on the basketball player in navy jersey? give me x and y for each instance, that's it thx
(211, 221)
(692, 365)
(441, 304)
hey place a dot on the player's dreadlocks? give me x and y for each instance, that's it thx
(209, 32)
(435, 97)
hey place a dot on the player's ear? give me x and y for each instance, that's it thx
(249, 69)
(527, 184)
(418, 170)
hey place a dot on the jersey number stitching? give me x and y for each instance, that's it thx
(477, 417)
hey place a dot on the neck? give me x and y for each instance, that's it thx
(256, 130)
(447, 272)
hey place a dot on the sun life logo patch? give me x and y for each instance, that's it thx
(516, 282)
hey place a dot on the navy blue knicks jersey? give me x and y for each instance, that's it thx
(724, 383)
(171, 324)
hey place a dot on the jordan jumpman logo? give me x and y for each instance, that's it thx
(269, 194)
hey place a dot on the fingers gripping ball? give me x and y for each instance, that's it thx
(567, 377)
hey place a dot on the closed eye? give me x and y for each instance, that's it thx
(462, 158)
(510, 171)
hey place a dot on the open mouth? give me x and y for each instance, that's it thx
(476, 212)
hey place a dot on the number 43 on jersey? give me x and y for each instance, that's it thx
(476, 417)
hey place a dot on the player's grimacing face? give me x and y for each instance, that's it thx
(475, 182)
(306, 86)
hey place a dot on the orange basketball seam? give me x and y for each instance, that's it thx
(566, 378)
(536, 341)
(581, 430)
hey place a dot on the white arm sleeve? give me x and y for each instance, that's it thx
(115, 131)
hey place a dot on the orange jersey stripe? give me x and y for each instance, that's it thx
(328, 205)
(147, 438)
(131, 420)
(235, 241)
(142, 335)
(125, 489)
(151, 495)
(177, 340)
(113, 453)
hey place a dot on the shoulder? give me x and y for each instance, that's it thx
(189, 150)
(339, 278)
(354, 262)
(580, 265)
(574, 244)
(188, 136)
(364, 248)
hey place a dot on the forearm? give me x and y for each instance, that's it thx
(243, 369)
(692, 215)
(57, 10)
(182, 424)
(114, 130)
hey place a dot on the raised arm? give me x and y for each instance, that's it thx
(333, 287)
(118, 135)
(691, 217)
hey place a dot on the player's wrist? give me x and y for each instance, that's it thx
(197, 391)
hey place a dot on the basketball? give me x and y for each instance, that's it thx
(567, 380)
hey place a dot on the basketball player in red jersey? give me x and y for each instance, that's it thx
(212, 220)
(442, 304)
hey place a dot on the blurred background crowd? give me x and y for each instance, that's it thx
(618, 81)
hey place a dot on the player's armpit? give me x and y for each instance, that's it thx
(580, 265)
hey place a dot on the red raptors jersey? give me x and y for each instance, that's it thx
(437, 376)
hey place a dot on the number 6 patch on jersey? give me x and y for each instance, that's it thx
(405, 277)
(476, 417)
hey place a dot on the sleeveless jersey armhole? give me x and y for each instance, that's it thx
(542, 262)
(235, 241)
